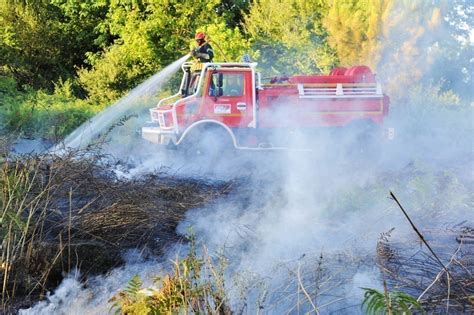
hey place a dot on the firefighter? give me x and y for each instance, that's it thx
(203, 52)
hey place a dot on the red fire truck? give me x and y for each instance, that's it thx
(230, 100)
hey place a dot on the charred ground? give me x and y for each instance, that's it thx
(73, 211)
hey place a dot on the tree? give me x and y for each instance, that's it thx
(289, 36)
(233, 11)
(40, 42)
(354, 28)
(456, 50)
(420, 39)
(407, 42)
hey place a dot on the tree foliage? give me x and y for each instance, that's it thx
(40, 43)
(289, 35)
(418, 43)
(354, 29)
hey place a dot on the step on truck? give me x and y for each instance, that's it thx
(229, 103)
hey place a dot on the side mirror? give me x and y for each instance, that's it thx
(216, 84)
(220, 80)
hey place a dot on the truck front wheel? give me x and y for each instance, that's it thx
(208, 142)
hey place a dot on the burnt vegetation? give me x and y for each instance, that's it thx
(413, 269)
(73, 212)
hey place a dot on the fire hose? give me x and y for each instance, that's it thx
(218, 46)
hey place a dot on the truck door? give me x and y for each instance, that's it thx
(229, 97)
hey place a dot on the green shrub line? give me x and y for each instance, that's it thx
(32, 113)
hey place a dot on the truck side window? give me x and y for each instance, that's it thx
(233, 84)
(193, 85)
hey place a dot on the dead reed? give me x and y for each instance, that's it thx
(411, 268)
(72, 211)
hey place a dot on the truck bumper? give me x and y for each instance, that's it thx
(158, 135)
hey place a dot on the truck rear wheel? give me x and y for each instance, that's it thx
(367, 137)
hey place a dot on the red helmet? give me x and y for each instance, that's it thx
(200, 35)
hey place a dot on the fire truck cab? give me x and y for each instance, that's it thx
(230, 99)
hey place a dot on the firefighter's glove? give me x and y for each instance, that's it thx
(194, 52)
(203, 56)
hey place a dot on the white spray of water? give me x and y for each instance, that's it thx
(136, 99)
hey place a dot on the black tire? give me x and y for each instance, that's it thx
(367, 137)
(207, 142)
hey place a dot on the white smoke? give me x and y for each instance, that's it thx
(335, 201)
(93, 297)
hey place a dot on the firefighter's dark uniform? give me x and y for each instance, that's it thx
(204, 53)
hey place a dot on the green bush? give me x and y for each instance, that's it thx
(39, 114)
(195, 285)
(392, 303)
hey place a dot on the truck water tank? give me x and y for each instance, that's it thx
(338, 71)
(361, 74)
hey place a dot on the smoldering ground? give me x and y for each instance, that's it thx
(312, 205)
(326, 211)
(312, 220)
